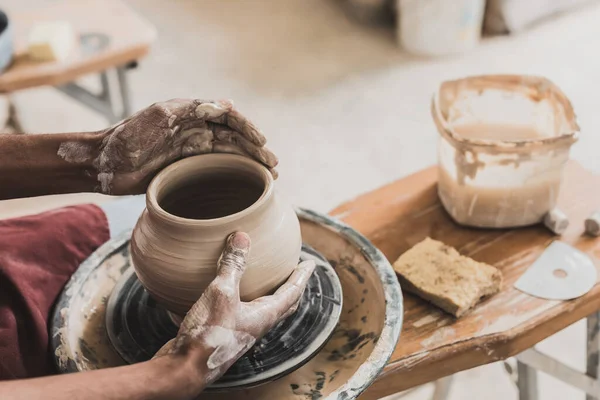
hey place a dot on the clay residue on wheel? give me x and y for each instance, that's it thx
(346, 366)
(355, 340)
(84, 344)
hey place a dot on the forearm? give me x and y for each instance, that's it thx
(169, 377)
(36, 165)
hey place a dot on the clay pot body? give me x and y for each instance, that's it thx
(191, 208)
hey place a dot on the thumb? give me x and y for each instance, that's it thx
(232, 262)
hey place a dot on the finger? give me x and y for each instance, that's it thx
(260, 153)
(212, 110)
(296, 283)
(241, 124)
(232, 263)
(173, 109)
(225, 147)
(289, 294)
(195, 141)
(291, 310)
(220, 147)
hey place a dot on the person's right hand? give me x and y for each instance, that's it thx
(220, 328)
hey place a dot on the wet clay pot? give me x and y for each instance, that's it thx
(191, 208)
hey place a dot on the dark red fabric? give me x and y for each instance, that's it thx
(38, 254)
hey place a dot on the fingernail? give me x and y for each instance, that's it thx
(240, 240)
(227, 103)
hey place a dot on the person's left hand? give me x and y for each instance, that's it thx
(134, 150)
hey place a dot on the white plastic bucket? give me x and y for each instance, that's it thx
(439, 27)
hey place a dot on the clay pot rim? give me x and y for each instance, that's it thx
(530, 85)
(202, 160)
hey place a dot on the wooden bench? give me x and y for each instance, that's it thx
(434, 345)
(112, 37)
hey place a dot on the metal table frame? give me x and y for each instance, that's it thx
(103, 102)
(112, 91)
(532, 360)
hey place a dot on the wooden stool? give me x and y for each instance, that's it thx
(111, 38)
(434, 345)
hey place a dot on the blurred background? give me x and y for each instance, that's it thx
(342, 90)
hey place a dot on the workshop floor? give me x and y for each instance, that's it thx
(345, 110)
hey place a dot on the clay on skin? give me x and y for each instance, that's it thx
(192, 206)
(223, 326)
(133, 150)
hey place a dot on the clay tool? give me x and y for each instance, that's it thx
(592, 224)
(557, 221)
(561, 273)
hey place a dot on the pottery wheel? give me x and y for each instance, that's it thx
(138, 327)
(356, 353)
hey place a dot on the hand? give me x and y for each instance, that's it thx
(134, 150)
(220, 328)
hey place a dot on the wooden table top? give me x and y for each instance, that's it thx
(432, 344)
(129, 35)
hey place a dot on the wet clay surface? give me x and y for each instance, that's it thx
(79, 338)
(362, 342)
(434, 344)
(176, 258)
(212, 196)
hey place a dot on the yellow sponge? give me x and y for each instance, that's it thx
(437, 273)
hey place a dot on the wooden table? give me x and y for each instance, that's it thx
(111, 37)
(433, 345)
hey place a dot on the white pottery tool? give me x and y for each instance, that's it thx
(557, 221)
(560, 273)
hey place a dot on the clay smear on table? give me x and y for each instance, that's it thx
(503, 146)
